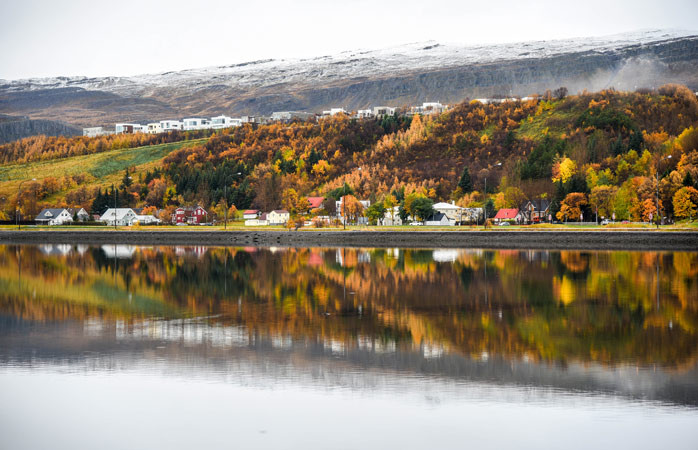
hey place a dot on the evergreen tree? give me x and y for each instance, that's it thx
(465, 182)
(688, 180)
(126, 180)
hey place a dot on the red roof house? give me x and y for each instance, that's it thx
(190, 214)
(315, 202)
(251, 214)
(506, 214)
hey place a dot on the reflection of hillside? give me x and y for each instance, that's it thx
(197, 348)
(609, 307)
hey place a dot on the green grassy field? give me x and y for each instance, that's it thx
(99, 169)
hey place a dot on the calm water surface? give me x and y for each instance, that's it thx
(212, 347)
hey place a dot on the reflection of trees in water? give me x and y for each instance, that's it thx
(599, 306)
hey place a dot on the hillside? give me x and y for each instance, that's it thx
(603, 147)
(398, 76)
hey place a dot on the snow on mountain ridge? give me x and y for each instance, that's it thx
(361, 63)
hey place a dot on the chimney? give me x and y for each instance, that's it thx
(453, 202)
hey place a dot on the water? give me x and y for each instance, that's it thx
(191, 347)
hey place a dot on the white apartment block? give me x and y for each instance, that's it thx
(364, 114)
(290, 115)
(170, 125)
(154, 128)
(380, 111)
(196, 123)
(333, 112)
(429, 108)
(219, 122)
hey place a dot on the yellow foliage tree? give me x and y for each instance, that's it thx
(685, 201)
(571, 206)
(564, 169)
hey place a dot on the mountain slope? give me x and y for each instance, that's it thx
(397, 76)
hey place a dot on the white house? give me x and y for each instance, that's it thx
(364, 114)
(285, 116)
(54, 216)
(170, 125)
(429, 108)
(451, 210)
(196, 123)
(127, 128)
(147, 219)
(333, 112)
(249, 214)
(154, 128)
(439, 219)
(380, 111)
(257, 221)
(122, 216)
(392, 217)
(278, 217)
(219, 122)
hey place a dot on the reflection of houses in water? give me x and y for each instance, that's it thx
(446, 255)
(119, 251)
(56, 249)
(199, 251)
(362, 256)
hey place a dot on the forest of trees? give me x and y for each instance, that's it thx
(589, 152)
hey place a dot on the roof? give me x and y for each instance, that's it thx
(250, 211)
(120, 213)
(43, 215)
(507, 213)
(444, 205)
(280, 211)
(541, 204)
(436, 217)
(315, 202)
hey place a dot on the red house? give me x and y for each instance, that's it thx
(507, 214)
(190, 214)
(315, 202)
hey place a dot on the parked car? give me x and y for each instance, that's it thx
(504, 224)
(416, 223)
(183, 224)
(605, 222)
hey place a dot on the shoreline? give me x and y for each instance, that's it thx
(500, 239)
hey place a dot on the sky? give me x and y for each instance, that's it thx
(42, 38)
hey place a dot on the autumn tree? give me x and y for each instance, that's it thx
(351, 208)
(564, 169)
(685, 202)
(601, 199)
(571, 206)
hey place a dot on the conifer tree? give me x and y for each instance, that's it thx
(465, 182)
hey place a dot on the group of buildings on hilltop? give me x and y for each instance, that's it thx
(222, 121)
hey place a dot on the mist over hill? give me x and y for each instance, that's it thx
(398, 76)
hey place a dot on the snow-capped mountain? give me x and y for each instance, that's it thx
(398, 76)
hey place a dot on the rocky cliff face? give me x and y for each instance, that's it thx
(13, 128)
(399, 77)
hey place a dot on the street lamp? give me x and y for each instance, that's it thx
(485, 205)
(19, 201)
(225, 194)
(660, 160)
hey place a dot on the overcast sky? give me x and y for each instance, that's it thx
(93, 37)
